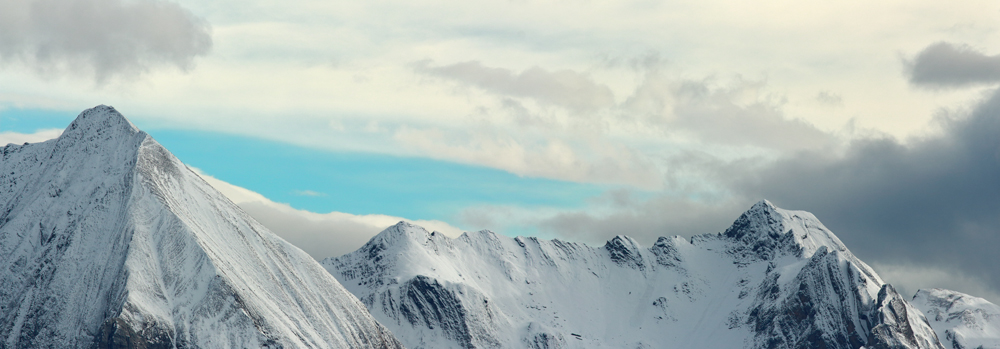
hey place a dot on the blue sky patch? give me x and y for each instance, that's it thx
(358, 183)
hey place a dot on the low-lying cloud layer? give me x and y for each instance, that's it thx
(101, 39)
(321, 235)
(9, 137)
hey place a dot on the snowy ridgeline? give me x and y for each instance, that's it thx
(960, 320)
(775, 279)
(107, 240)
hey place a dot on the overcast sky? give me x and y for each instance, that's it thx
(572, 119)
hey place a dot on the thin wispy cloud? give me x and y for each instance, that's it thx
(308, 193)
(830, 98)
(565, 87)
(738, 112)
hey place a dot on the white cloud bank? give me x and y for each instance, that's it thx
(320, 235)
(9, 137)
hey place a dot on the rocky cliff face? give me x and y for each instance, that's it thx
(775, 279)
(108, 241)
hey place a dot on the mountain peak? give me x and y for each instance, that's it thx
(403, 230)
(764, 204)
(101, 119)
(403, 235)
(97, 128)
(625, 250)
(763, 219)
(105, 239)
(766, 230)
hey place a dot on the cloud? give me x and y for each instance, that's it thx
(734, 112)
(565, 88)
(635, 142)
(320, 235)
(527, 155)
(932, 201)
(19, 138)
(308, 193)
(943, 64)
(907, 279)
(646, 221)
(830, 99)
(101, 38)
(738, 114)
(928, 205)
(641, 215)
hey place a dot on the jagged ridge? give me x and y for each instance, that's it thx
(775, 279)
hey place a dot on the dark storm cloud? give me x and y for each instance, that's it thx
(926, 204)
(100, 38)
(565, 88)
(948, 65)
(931, 202)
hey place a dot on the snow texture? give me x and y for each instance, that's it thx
(107, 240)
(775, 279)
(961, 321)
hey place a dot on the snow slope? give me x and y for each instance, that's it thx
(961, 321)
(775, 279)
(107, 240)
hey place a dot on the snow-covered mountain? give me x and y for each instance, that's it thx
(961, 321)
(108, 241)
(775, 279)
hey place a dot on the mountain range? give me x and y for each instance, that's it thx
(775, 279)
(109, 241)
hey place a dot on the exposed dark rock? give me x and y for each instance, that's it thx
(892, 327)
(666, 253)
(539, 338)
(625, 251)
(115, 333)
(425, 302)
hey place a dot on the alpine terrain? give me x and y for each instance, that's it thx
(108, 241)
(774, 279)
(961, 321)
